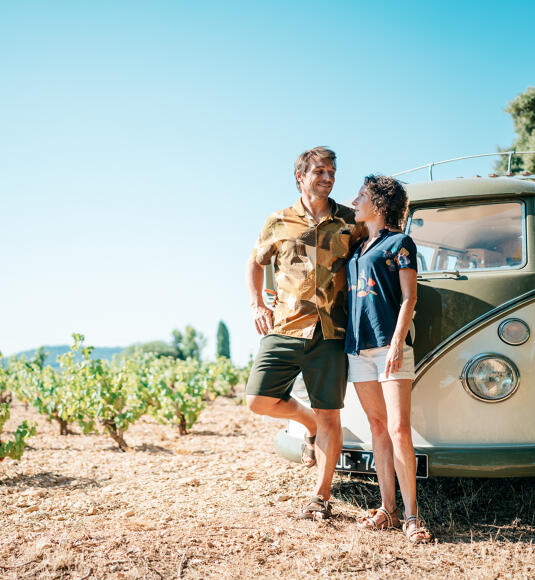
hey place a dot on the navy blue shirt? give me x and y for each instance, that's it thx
(374, 291)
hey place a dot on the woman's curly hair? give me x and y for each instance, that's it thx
(389, 198)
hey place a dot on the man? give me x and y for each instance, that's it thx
(310, 243)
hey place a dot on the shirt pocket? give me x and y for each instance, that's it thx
(294, 256)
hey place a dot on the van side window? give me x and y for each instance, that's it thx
(469, 237)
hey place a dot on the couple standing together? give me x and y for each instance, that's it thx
(346, 291)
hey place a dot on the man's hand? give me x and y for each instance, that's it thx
(263, 318)
(394, 358)
(262, 315)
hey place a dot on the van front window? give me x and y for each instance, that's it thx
(468, 237)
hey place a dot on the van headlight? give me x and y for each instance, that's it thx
(490, 377)
(513, 331)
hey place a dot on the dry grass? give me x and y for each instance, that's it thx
(220, 503)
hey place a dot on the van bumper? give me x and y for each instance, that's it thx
(447, 461)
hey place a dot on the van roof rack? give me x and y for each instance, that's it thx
(510, 155)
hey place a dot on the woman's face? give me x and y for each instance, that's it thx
(364, 208)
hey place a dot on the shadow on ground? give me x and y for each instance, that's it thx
(461, 509)
(48, 479)
(150, 448)
(208, 433)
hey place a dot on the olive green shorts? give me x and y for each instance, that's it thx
(281, 358)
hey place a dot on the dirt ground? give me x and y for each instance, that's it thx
(220, 503)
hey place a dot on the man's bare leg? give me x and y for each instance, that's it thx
(280, 409)
(328, 448)
(325, 424)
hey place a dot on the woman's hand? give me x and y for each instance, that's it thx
(394, 359)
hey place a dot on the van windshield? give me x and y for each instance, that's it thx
(470, 237)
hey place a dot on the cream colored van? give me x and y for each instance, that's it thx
(473, 403)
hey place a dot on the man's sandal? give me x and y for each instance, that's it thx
(316, 509)
(419, 534)
(374, 521)
(307, 452)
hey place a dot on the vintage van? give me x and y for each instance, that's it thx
(473, 402)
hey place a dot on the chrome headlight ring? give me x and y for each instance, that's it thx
(490, 377)
(514, 331)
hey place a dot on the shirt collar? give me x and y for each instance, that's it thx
(300, 210)
(382, 234)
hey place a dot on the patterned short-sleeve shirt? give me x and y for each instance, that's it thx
(374, 290)
(309, 264)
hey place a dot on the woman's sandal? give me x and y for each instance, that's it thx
(370, 522)
(316, 509)
(308, 452)
(419, 534)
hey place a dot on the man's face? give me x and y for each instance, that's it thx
(318, 180)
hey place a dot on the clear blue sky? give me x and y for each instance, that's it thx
(142, 144)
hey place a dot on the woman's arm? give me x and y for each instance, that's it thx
(408, 282)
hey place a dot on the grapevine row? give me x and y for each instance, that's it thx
(95, 394)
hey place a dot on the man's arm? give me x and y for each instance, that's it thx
(262, 315)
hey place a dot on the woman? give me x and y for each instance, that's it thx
(382, 295)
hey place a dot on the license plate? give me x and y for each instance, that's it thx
(352, 461)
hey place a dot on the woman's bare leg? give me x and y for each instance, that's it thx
(371, 398)
(397, 397)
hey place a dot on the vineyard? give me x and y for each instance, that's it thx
(94, 394)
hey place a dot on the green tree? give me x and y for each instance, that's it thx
(188, 344)
(223, 340)
(522, 111)
(156, 347)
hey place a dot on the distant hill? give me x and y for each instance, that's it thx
(103, 352)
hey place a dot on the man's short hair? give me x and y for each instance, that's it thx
(303, 161)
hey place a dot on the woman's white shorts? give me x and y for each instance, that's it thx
(370, 365)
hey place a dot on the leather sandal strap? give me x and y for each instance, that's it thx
(407, 521)
(420, 528)
(308, 452)
(310, 440)
(419, 536)
(319, 500)
(316, 507)
(317, 504)
(387, 514)
(420, 522)
(419, 531)
(369, 520)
